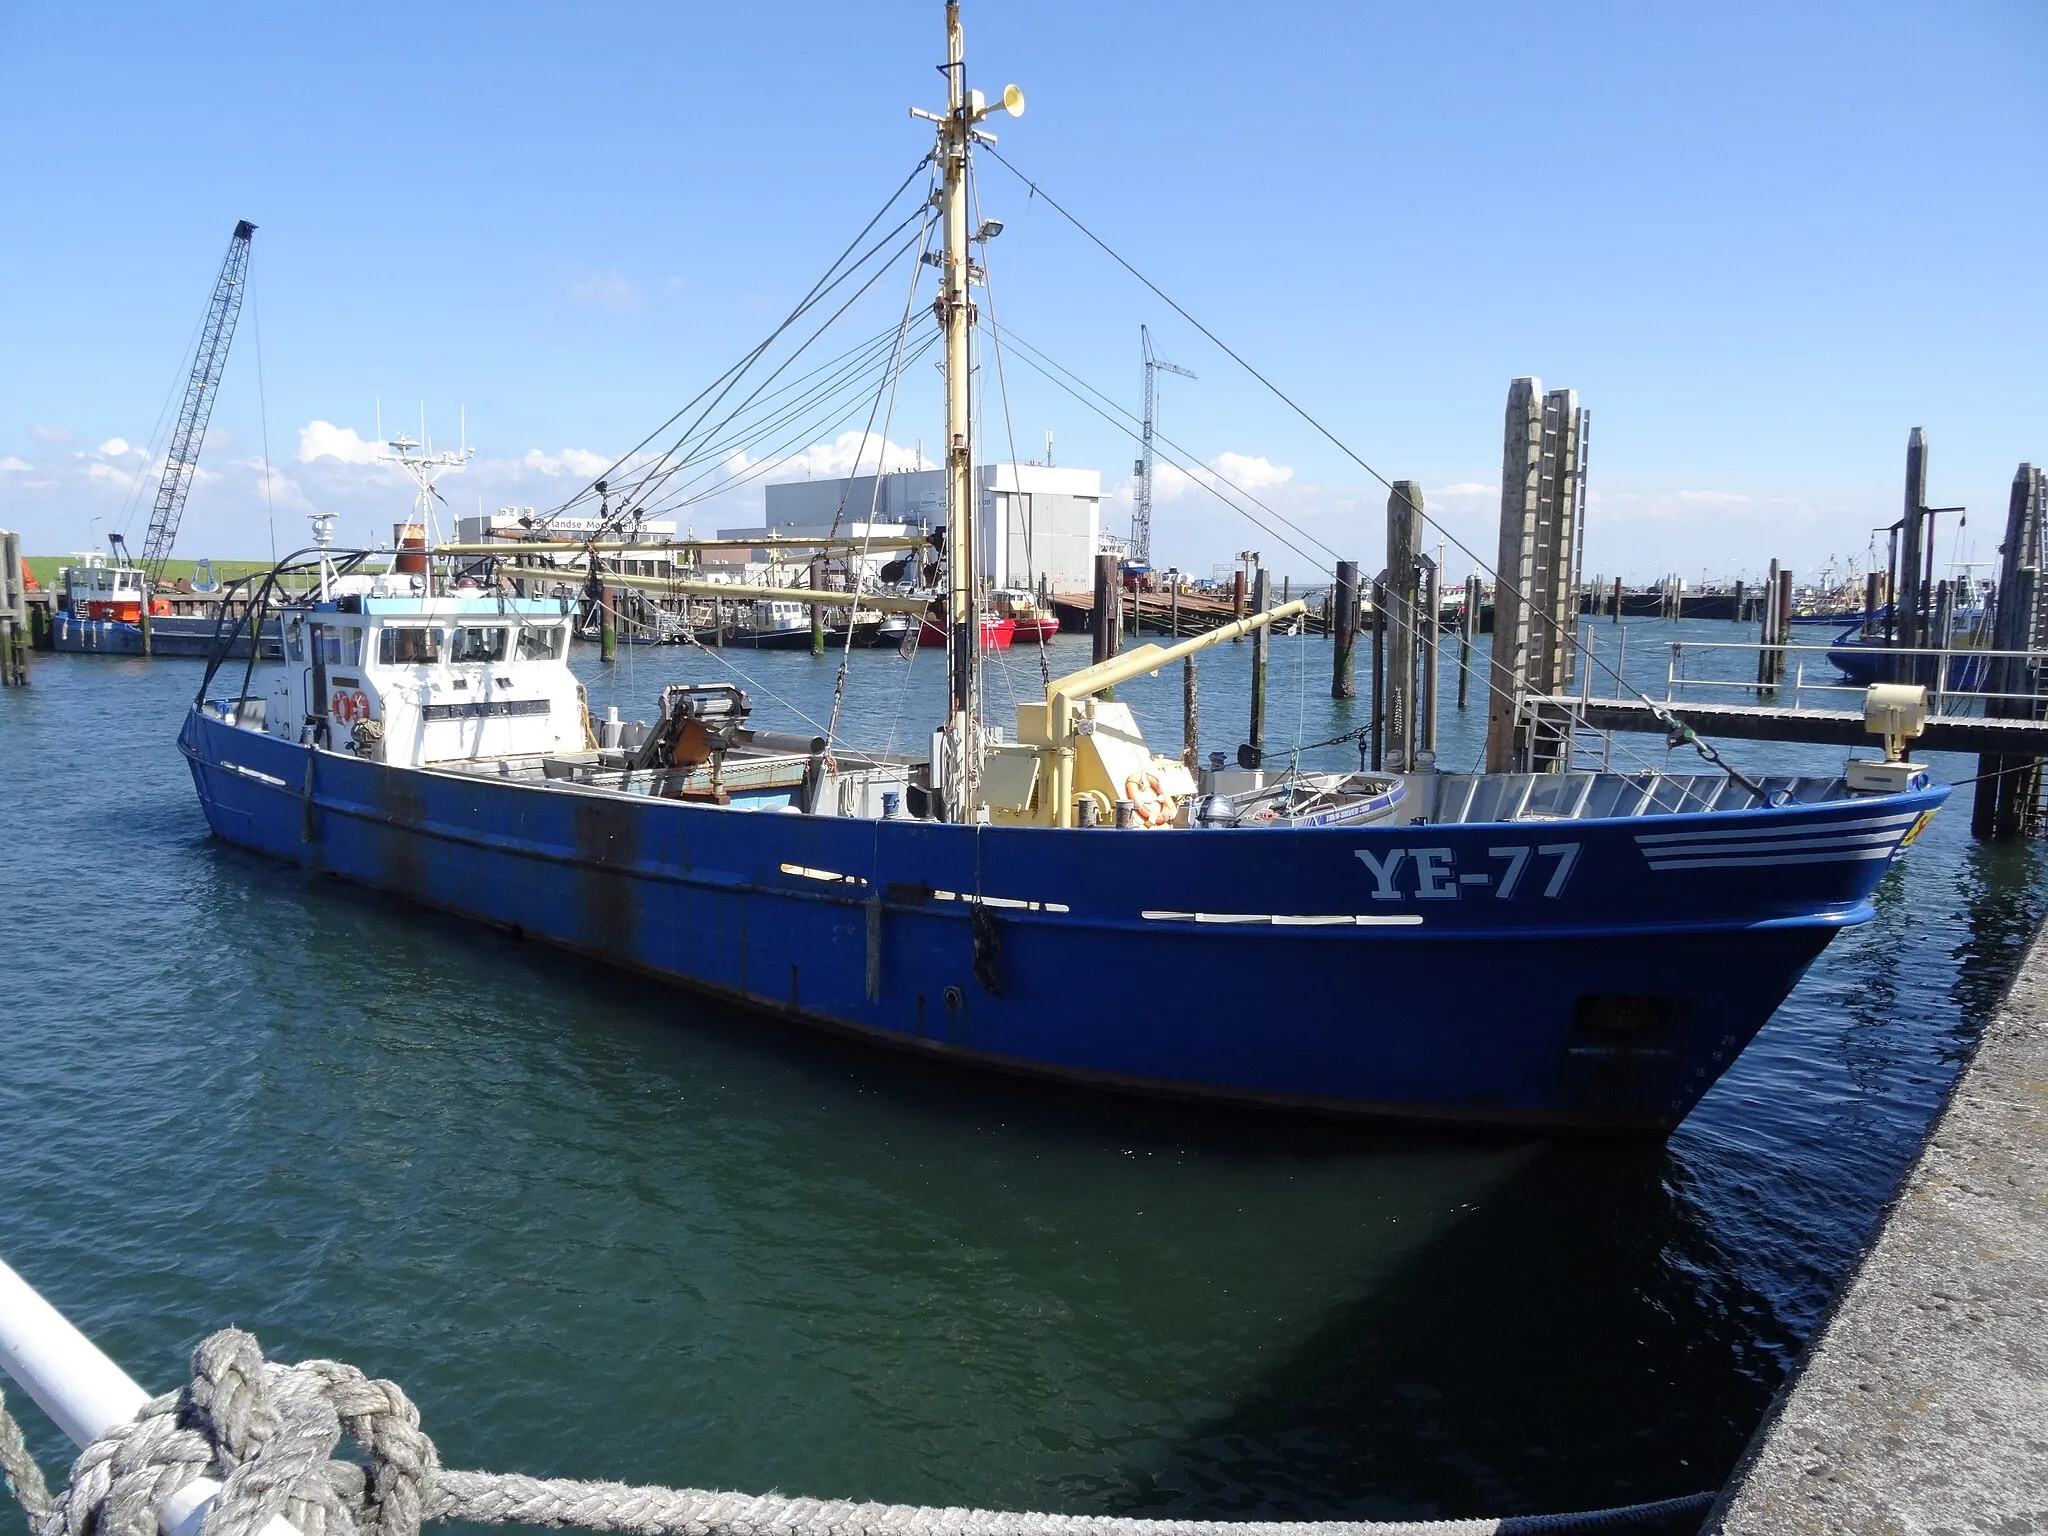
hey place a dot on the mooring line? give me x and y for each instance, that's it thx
(266, 1433)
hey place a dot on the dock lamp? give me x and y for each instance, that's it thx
(1897, 712)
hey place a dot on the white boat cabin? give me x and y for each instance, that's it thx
(94, 589)
(416, 681)
(774, 617)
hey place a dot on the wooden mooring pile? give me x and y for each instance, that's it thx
(16, 640)
(1981, 652)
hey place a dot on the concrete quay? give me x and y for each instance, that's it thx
(1922, 1406)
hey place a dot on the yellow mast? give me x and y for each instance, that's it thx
(955, 309)
(956, 315)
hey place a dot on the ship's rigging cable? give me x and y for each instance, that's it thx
(1187, 463)
(662, 468)
(855, 362)
(844, 403)
(152, 451)
(995, 342)
(853, 576)
(1680, 732)
(1133, 426)
(263, 413)
(769, 410)
(817, 292)
(893, 375)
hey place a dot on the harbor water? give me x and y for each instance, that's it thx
(602, 1229)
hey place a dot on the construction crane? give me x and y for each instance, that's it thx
(1141, 500)
(181, 457)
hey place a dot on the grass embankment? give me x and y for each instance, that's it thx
(46, 567)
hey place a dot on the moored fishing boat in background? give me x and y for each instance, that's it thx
(99, 611)
(1029, 622)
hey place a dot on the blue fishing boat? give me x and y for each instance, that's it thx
(1048, 895)
(1866, 660)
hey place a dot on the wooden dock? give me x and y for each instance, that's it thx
(1199, 612)
(1918, 1408)
(1763, 722)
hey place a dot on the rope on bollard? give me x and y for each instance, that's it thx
(18, 1470)
(268, 1432)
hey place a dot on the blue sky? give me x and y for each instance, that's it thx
(1761, 241)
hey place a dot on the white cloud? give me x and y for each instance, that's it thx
(1169, 483)
(580, 462)
(612, 289)
(1242, 471)
(1679, 506)
(116, 448)
(9, 462)
(48, 434)
(821, 461)
(324, 440)
(1251, 472)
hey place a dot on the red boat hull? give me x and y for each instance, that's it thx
(996, 634)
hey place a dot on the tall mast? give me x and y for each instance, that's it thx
(955, 307)
(956, 314)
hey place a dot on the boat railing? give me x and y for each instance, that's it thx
(1960, 679)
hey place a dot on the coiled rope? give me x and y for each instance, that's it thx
(268, 1433)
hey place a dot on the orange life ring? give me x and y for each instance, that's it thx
(1142, 790)
(349, 705)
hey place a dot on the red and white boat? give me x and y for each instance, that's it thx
(1030, 623)
(996, 633)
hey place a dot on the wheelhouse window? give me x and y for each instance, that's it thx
(478, 643)
(541, 642)
(341, 647)
(408, 645)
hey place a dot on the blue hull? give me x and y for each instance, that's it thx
(1594, 975)
(1864, 662)
(175, 636)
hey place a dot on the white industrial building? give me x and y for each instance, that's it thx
(514, 522)
(1038, 522)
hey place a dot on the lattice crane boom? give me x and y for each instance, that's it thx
(1141, 499)
(181, 457)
